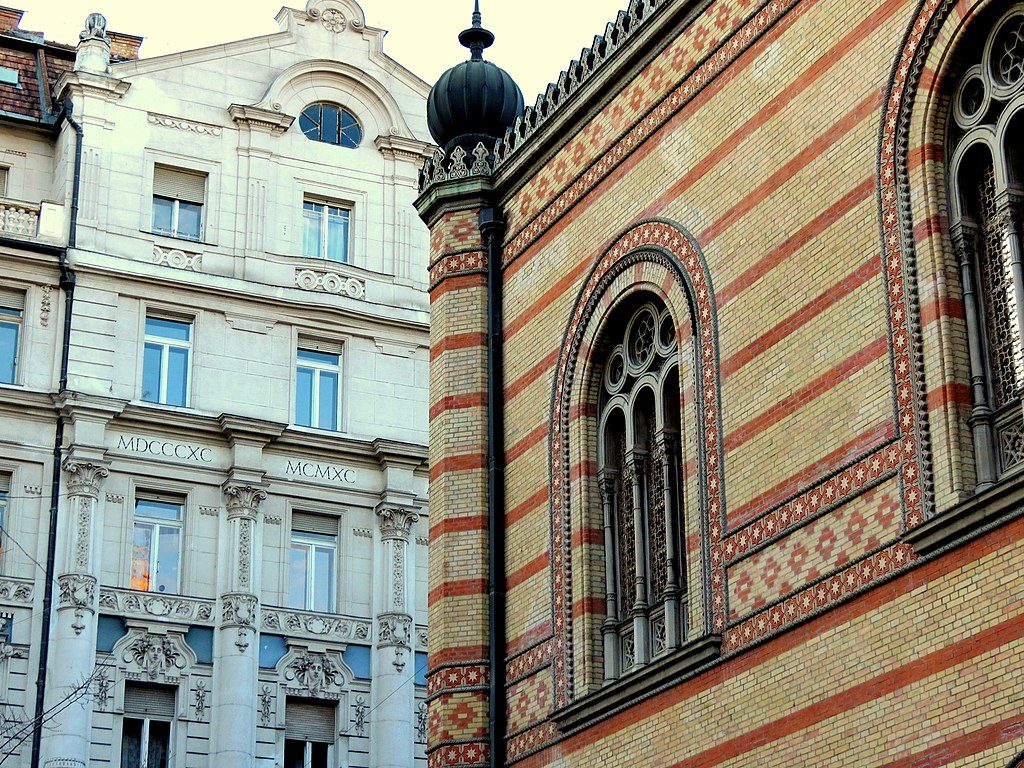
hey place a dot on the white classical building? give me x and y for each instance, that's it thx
(213, 378)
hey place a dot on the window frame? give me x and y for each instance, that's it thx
(6, 483)
(15, 317)
(313, 542)
(166, 344)
(325, 205)
(342, 110)
(175, 219)
(309, 345)
(156, 524)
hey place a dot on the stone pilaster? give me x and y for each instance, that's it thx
(236, 646)
(391, 722)
(73, 638)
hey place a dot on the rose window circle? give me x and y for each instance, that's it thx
(972, 97)
(1008, 52)
(615, 374)
(642, 339)
(666, 334)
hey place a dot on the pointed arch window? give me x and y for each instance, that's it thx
(986, 191)
(639, 478)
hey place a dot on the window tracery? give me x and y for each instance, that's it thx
(639, 478)
(986, 190)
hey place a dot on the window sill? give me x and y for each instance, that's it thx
(990, 508)
(175, 240)
(635, 686)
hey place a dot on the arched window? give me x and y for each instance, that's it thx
(986, 188)
(639, 477)
(330, 124)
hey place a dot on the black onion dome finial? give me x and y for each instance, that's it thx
(475, 101)
(476, 38)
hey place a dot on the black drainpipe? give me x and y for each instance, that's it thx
(492, 229)
(67, 284)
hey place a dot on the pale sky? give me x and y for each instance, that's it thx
(536, 39)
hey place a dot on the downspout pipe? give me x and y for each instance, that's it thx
(67, 284)
(492, 229)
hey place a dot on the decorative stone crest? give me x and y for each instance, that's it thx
(77, 591)
(360, 710)
(314, 673)
(177, 259)
(239, 610)
(396, 522)
(266, 706)
(155, 656)
(84, 477)
(333, 20)
(330, 282)
(199, 704)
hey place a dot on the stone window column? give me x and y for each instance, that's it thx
(665, 452)
(637, 461)
(391, 720)
(73, 639)
(236, 648)
(610, 629)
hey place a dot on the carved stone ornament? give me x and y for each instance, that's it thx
(155, 656)
(333, 20)
(147, 605)
(95, 28)
(266, 705)
(45, 305)
(396, 522)
(317, 626)
(239, 610)
(314, 673)
(199, 704)
(77, 591)
(244, 500)
(84, 477)
(102, 692)
(177, 259)
(394, 630)
(325, 281)
(15, 591)
(421, 722)
(360, 711)
(181, 124)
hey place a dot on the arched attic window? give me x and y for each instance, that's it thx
(639, 478)
(330, 124)
(986, 128)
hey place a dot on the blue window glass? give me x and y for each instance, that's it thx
(304, 397)
(190, 219)
(177, 376)
(325, 233)
(337, 234)
(163, 215)
(10, 328)
(328, 412)
(330, 124)
(166, 357)
(151, 365)
(317, 389)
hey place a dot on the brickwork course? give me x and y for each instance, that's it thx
(775, 173)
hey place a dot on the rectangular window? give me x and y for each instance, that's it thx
(309, 733)
(313, 569)
(8, 76)
(12, 308)
(178, 197)
(146, 728)
(156, 543)
(317, 385)
(165, 367)
(5, 490)
(3, 180)
(325, 231)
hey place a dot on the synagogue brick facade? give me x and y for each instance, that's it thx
(775, 175)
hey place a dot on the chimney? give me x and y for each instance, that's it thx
(123, 45)
(10, 18)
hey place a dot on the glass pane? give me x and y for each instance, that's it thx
(304, 397)
(159, 742)
(163, 215)
(337, 235)
(10, 312)
(142, 542)
(318, 756)
(309, 122)
(351, 134)
(311, 244)
(190, 219)
(328, 400)
(297, 575)
(168, 559)
(165, 510)
(323, 358)
(329, 126)
(8, 351)
(323, 579)
(151, 373)
(177, 376)
(131, 743)
(177, 330)
(294, 754)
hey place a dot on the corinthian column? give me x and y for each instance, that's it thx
(236, 648)
(391, 721)
(73, 637)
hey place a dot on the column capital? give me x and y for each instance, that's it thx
(243, 499)
(84, 477)
(606, 483)
(396, 521)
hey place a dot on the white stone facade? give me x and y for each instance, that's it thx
(228, 641)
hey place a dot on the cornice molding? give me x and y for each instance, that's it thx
(259, 119)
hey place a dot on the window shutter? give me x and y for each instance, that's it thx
(3, 181)
(320, 345)
(149, 701)
(5, 483)
(307, 523)
(179, 184)
(309, 721)
(12, 299)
